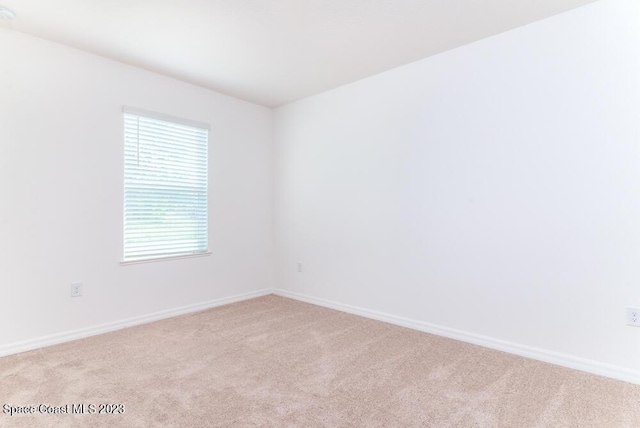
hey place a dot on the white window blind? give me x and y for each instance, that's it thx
(165, 187)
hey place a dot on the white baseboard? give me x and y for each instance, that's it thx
(552, 357)
(40, 342)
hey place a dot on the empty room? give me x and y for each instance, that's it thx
(320, 213)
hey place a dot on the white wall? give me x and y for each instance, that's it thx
(61, 168)
(493, 189)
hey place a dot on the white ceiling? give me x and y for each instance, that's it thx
(272, 52)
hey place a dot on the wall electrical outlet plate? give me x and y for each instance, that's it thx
(76, 290)
(633, 317)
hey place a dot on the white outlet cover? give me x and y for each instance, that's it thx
(633, 317)
(76, 289)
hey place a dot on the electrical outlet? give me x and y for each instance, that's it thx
(633, 317)
(299, 267)
(76, 289)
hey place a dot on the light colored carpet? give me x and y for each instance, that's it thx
(272, 361)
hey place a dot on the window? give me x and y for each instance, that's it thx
(165, 187)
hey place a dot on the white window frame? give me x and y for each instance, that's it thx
(180, 121)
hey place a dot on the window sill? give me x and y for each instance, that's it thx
(163, 259)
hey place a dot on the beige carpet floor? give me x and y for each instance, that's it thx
(276, 362)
